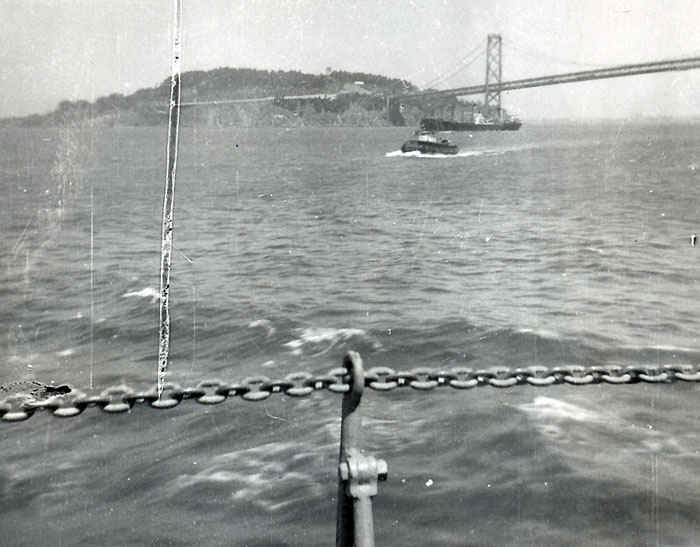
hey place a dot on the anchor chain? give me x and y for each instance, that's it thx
(122, 398)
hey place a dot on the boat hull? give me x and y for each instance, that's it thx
(429, 147)
(436, 124)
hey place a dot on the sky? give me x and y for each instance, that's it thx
(83, 49)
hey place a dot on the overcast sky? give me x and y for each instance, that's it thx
(83, 49)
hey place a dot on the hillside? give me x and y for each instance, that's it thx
(360, 100)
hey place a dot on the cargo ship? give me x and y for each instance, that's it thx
(437, 124)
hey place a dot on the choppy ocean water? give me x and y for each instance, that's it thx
(554, 245)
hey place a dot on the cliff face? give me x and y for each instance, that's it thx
(359, 100)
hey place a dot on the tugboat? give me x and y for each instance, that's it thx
(426, 142)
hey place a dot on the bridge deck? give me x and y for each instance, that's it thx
(688, 63)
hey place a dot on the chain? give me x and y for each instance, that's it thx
(122, 398)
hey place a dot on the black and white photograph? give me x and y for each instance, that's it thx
(301, 273)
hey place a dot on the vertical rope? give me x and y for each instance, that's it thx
(92, 285)
(166, 247)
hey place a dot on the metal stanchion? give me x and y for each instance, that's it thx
(357, 473)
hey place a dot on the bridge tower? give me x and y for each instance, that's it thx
(492, 97)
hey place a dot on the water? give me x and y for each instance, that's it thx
(554, 245)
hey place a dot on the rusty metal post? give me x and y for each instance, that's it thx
(357, 472)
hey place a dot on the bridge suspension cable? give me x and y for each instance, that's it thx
(468, 60)
(534, 53)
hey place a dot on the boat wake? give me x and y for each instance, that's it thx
(463, 153)
(417, 154)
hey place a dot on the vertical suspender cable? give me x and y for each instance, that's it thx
(166, 246)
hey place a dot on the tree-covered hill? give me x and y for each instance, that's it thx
(361, 100)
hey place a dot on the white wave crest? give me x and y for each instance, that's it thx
(320, 336)
(546, 408)
(265, 324)
(541, 333)
(148, 292)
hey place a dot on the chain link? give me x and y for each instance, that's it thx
(122, 398)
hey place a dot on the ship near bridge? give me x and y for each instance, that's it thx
(448, 110)
(438, 124)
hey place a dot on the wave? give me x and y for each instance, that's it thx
(549, 408)
(662, 348)
(264, 324)
(271, 476)
(148, 292)
(619, 428)
(541, 333)
(459, 342)
(320, 340)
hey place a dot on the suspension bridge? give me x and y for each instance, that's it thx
(444, 104)
(494, 85)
